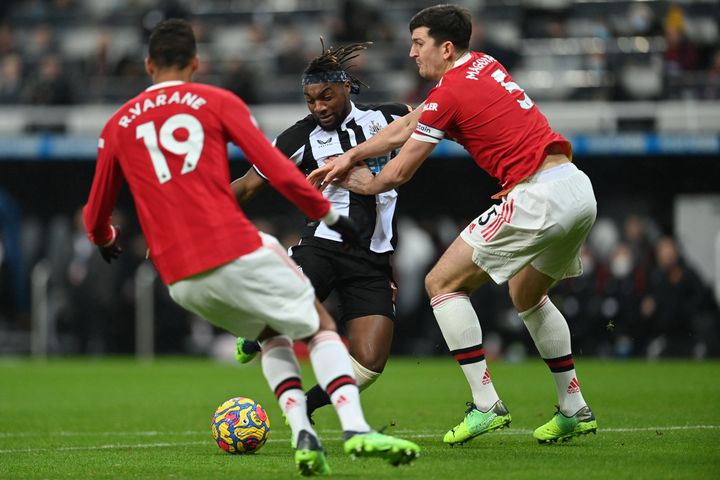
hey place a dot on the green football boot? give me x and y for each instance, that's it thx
(375, 444)
(246, 350)
(476, 423)
(564, 428)
(309, 456)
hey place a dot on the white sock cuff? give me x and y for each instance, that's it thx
(440, 300)
(322, 337)
(275, 342)
(543, 301)
(364, 377)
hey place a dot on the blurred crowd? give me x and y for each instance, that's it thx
(62, 52)
(637, 297)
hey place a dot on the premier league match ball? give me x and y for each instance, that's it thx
(240, 425)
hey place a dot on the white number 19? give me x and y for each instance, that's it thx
(190, 147)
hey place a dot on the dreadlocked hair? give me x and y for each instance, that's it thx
(335, 59)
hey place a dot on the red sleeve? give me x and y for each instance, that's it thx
(286, 179)
(438, 113)
(103, 193)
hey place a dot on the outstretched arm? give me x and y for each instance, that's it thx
(398, 170)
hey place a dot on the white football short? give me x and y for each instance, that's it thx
(262, 288)
(543, 221)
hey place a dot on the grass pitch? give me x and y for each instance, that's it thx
(119, 419)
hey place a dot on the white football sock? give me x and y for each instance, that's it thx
(281, 369)
(460, 327)
(551, 334)
(334, 373)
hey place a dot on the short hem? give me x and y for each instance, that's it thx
(354, 315)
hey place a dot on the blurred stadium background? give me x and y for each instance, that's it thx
(634, 84)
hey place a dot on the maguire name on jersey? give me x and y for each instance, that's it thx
(308, 145)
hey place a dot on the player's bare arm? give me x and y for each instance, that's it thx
(398, 171)
(247, 186)
(388, 139)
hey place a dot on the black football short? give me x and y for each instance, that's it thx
(363, 280)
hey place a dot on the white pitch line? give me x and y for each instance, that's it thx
(510, 431)
(405, 433)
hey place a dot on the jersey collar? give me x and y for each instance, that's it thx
(169, 83)
(462, 60)
(351, 114)
(457, 63)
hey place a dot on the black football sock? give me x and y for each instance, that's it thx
(251, 346)
(316, 398)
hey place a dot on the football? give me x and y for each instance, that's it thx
(240, 425)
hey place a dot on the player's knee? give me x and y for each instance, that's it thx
(371, 359)
(524, 299)
(435, 284)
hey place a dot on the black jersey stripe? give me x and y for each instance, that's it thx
(344, 138)
(357, 129)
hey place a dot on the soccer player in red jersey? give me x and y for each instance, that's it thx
(170, 144)
(531, 240)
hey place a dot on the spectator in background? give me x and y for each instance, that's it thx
(640, 233)
(681, 55)
(354, 21)
(94, 311)
(11, 80)
(242, 81)
(160, 11)
(480, 42)
(620, 304)
(597, 66)
(99, 64)
(51, 86)
(674, 304)
(7, 39)
(42, 43)
(712, 86)
(292, 57)
(641, 21)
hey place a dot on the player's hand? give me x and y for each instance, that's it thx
(340, 167)
(112, 250)
(348, 230)
(317, 176)
(358, 179)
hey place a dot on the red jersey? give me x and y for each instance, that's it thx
(477, 104)
(170, 144)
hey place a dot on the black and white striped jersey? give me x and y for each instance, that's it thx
(308, 145)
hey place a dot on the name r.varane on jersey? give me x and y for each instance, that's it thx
(190, 99)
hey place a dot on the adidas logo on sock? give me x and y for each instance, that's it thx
(341, 401)
(291, 402)
(486, 377)
(574, 386)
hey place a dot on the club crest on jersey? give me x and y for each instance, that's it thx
(374, 127)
